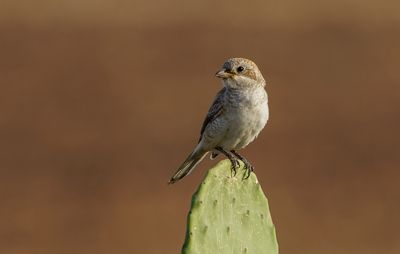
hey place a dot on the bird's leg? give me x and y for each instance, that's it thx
(231, 157)
(247, 166)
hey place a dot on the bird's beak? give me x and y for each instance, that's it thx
(224, 73)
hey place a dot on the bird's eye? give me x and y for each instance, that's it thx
(240, 69)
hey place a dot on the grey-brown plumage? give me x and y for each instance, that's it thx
(238, 114)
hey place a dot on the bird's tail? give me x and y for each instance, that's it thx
(188, 165)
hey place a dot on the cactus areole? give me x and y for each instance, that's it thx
(229, 215)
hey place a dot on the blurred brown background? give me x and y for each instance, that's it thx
(100, 101)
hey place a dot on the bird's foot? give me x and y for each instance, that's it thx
(234, 165)
(231, 156)
(248, 169)
(247, 166)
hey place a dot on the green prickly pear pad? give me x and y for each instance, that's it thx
(229, 214)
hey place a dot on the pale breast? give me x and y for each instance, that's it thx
(245, 123)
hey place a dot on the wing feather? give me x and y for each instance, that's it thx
(214, 111)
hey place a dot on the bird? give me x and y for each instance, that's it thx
(236, 117)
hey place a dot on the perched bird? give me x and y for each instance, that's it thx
(238, 114)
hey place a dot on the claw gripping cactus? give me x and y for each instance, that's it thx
(229, 215)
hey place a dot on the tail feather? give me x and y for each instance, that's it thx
(213, 155)
(187, 166)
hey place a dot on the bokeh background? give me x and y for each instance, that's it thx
(100, 102)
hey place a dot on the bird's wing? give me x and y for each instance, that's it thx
(214, 111)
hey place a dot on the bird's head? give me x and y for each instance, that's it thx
(240, 73)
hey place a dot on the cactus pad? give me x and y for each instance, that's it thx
(229, 215)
